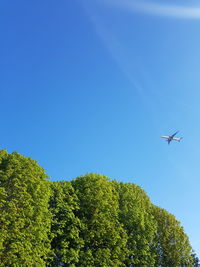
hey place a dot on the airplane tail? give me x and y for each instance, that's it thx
(180, 139)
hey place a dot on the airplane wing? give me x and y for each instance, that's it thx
(166, 137)
(177, 138)
(174, 134)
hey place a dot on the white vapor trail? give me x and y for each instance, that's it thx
(152, 8)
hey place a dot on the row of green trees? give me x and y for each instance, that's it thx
(90, 221)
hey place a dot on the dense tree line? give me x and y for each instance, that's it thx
(90, 221)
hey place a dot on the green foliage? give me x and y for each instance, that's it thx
(24, 218)
(140, 226)
(91, 221)
(103, 234)
(171, 244)
(65, 226)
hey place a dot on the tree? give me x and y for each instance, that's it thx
(196, 262)
(171, 244)
(24, 218)
(139, 224)
(91, 221)
(65, 227)
(103, 234)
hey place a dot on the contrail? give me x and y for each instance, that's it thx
(152, 8)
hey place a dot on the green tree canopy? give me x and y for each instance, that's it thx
(24, 218)
(88, 222)
(103, 234)
(139, 224)
(171, 244)
(65, 226)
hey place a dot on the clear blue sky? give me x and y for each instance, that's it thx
(91, 85)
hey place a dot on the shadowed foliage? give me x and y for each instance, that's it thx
(65, 226)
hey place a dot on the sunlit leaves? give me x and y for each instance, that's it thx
(88, 222)
(25, 218)
(103, 234)
(171, 244)
(135, 214)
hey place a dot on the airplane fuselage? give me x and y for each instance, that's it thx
(171, 137)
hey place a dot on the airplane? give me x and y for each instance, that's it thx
(171, 137)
